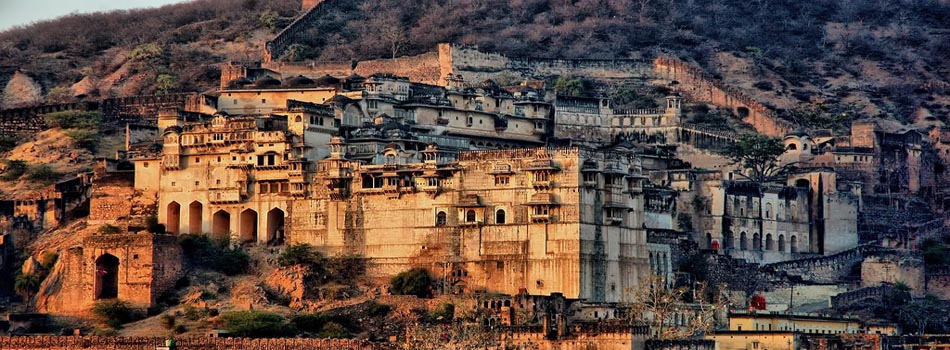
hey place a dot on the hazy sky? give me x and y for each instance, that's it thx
(16, 12)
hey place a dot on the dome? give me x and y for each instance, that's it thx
(327, 80)
(340, 100)
(239, 82)
(298, 81)
(266, 82)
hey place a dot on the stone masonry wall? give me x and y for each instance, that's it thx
(700, 86)
(422, 68)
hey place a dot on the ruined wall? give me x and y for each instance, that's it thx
(112, 199)
(938, 283)
(196, 343)
(699, 86)
(148, 266)
(424, 68)
(893, 269)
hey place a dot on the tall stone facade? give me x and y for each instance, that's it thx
(539, 220)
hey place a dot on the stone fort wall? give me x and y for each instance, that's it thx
(150, 343)
(424, 68)
(699, 86)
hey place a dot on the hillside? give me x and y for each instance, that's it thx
(825, 61)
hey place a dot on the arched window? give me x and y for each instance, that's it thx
(470, 216)
(769, 244)
(781, 243)
(500, 216)
(708, 240)
(793, 244)
(743, 241)
(768, 210)
(730, 240)
(298, 119)
(792, 147)
(440, 219)
(756, 241)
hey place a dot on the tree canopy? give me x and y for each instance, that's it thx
(759, 155)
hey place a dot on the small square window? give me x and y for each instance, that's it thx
(135, 256)
(197, 183)
(145, 165)
(173, 183)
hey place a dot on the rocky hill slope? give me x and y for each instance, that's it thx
(824, 62)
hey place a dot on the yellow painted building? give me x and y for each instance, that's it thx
(755, 340)
(809, 324)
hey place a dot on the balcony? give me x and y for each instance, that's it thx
(226, 195)
(540, 217)
(442, 121)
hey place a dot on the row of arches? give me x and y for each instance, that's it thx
(222, 227)
(729, 242)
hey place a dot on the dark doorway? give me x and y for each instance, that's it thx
(107, 277)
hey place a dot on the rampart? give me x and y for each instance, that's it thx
(871, 295)
(824, 269)
(276, 46)
(424, 68)
(150, 343)
(700, 86)
(476, 66)
(133, 109)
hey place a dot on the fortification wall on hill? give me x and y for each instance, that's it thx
(476, 66)
(424, 68)
(132, 109)
(699, 86)
(276, 46)
(150, 343)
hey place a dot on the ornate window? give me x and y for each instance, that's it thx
(440, 219)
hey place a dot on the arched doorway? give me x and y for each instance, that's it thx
(781, 243)
(107, 277)
(743, 241)
(173, 218)
(793, 244)
(769, 244)
(221, 225)
(194, 217)
(248, 229)
(275, 225)
(756, 241)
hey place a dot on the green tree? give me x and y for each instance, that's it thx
(759, 155)
(26, 285)
(115, 312)
(15, 169)
(254, 324)
(572, 87)
(74, 120)
(166, 83)
(416, 282)
(921, 313)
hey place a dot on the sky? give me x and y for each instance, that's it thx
(17, 12)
